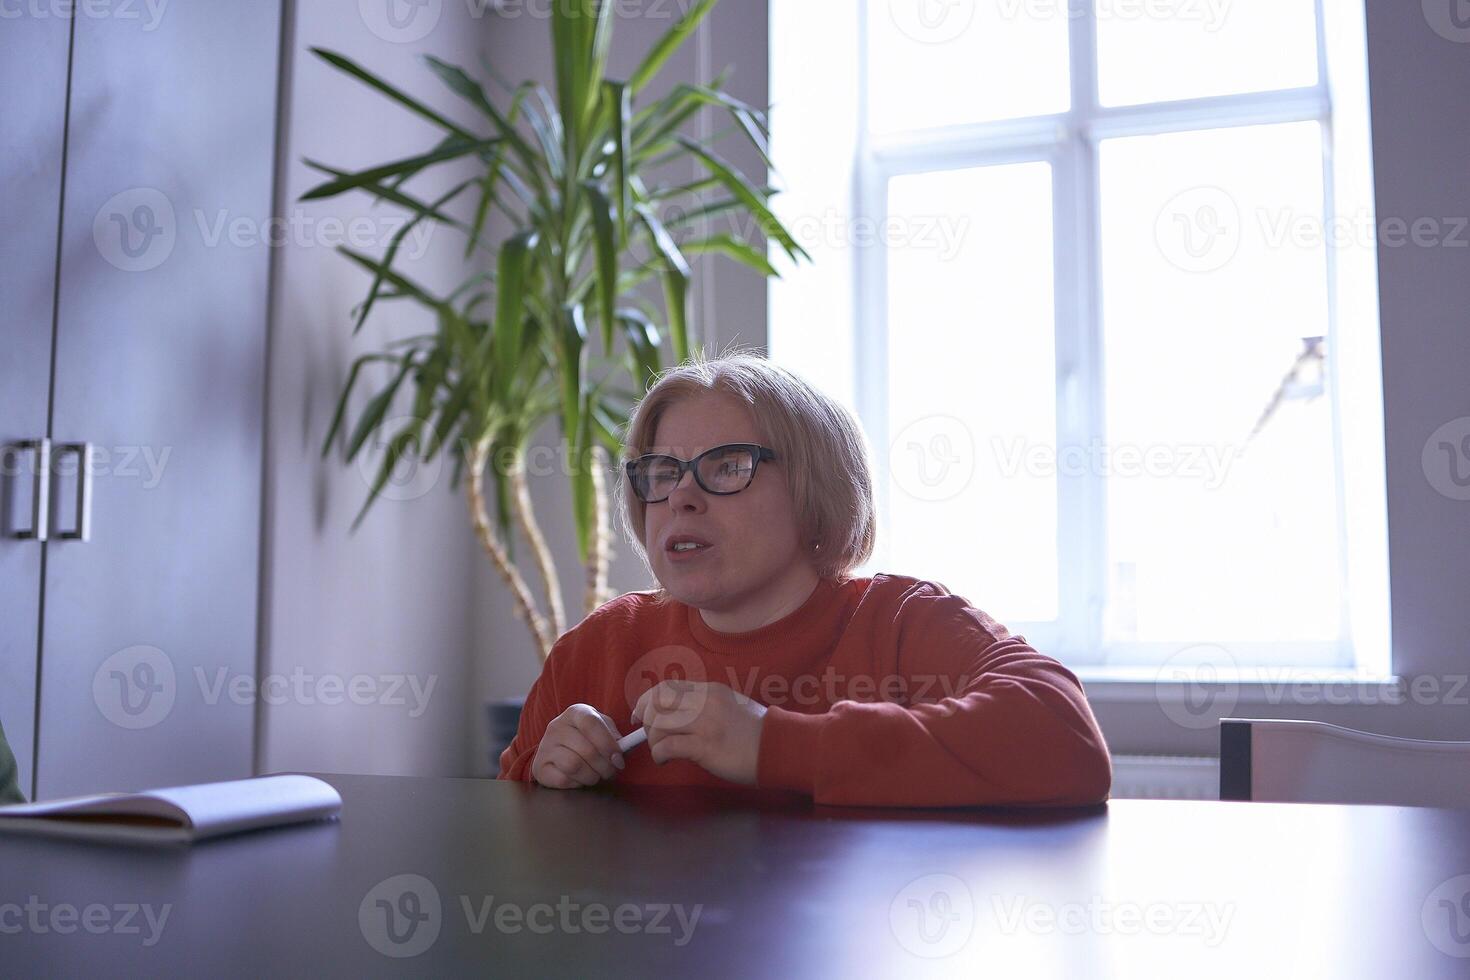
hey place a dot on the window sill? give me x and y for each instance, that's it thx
(1269, 685)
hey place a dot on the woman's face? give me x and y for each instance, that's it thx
(754, 567)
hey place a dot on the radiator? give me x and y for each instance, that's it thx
(1165, 777)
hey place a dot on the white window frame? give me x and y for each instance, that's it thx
(1068, 141)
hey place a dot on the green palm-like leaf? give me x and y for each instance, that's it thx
(469, 89)
(340, 413)
(352, 68)
(643, 344)
(732, 247)
(669, 43)
(572, 342)
(573, 169)
(584, 501)
(510, 309)
(620, 113)
(386, 192)
(399, 446)
(394, 244)
(545, 123)
(570, 61)
(675, 279)
(371, 177)
(606, 246)
(682, 103)
(653, 125)
(377, 408)
(605, 430)
(404, 284)
(747, 195)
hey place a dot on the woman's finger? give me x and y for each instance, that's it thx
(574, 766)
(582, 746)
(550, 776)
(597, 728)
(667, 720)
(674, 747)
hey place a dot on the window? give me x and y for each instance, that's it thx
(1099, 280)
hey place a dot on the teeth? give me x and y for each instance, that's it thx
(687, 546)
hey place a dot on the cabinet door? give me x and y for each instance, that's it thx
(33, 63)
(149, 635)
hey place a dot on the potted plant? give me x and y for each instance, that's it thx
(575, 173)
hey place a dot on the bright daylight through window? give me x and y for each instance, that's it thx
(1100, 281)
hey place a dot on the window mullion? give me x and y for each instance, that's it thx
(983, 144)
(1331, 373)
(870, 299)
(1082, 542)
(1213, 112)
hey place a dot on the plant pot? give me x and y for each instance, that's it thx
(504, 717)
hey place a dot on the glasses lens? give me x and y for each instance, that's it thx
(728, 470)
(655, 477)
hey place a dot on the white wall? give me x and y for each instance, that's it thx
(395, 600)
(1421, 141)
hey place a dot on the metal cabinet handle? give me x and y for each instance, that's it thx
(83, 528)
(40, 489)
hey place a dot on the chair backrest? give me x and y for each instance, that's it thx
(1272, 760)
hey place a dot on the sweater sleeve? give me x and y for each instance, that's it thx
(984, 719)
(542, 706)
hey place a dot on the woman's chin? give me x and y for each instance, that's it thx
(692, 588)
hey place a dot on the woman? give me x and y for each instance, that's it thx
(762, 660)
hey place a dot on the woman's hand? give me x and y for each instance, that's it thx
(580, 748)
(709, 724)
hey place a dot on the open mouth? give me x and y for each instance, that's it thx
(681, 547)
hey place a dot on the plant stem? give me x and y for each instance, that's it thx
(525, 607)
(599, 554)
(520, 498)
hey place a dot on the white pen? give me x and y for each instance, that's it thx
(633, 739)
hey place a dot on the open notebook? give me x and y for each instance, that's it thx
(179, 814)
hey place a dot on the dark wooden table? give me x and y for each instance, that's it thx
(481, 877)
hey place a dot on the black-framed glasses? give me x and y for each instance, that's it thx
(722, 470)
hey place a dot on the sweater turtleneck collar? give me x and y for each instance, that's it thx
(815, 617)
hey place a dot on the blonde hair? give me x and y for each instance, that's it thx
(816, 439)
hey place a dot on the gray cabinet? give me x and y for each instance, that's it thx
(149, 388)
(33, 60)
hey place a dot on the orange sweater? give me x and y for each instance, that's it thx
(880, 691)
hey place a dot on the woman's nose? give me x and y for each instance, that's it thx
(686, 491)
